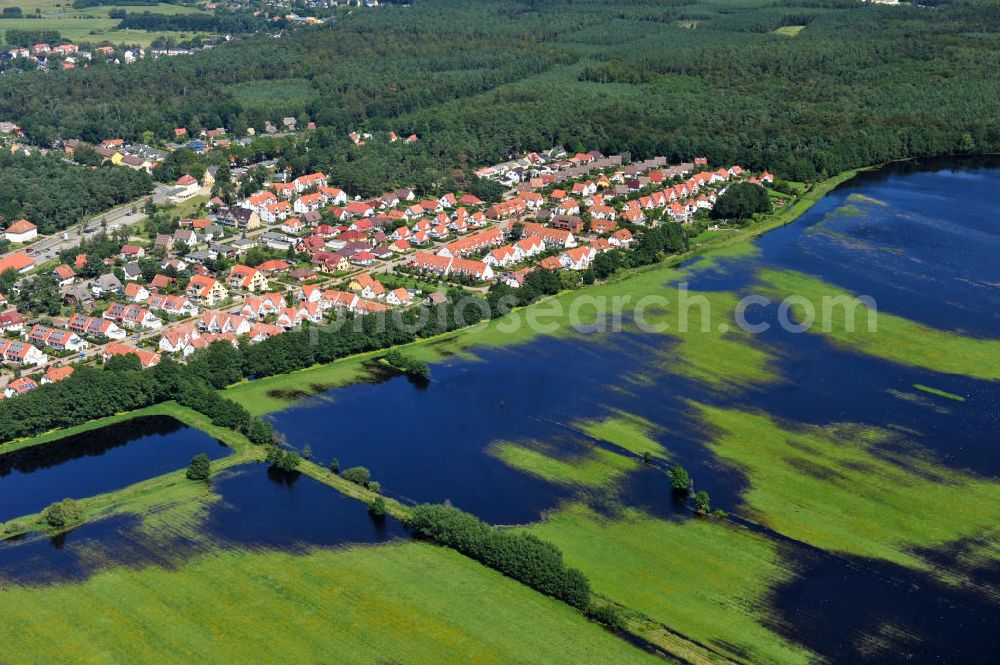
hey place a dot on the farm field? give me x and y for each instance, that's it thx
(406, 602)
(92, 24)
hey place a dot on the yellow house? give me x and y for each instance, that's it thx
(245, 277)
(206, 290)
(340, 265)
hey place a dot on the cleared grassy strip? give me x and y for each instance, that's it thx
(938, 392)
(789, 30)
(595, 468)
(893, 338)
(841, 489)
(626, 431)
(703, 578)
(412, 603)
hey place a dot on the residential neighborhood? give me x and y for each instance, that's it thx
(300, 251)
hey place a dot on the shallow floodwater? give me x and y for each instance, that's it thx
(256, 508)
(921, 239)
(98, 461)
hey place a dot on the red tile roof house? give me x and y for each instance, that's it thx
(20, 387)
(11, 321)
(172, 305)
(56, 374)
(65, 274)
(274, 265)
(304, 182)
(370, 287)
(21, 231)
(399, 296)
(551, 237)
(255, 307)
(62, 340)
(578, 258)
(146, 358)
(22, 353)
(471, 244)
(18, 261)
(132, 252)
(132, 316)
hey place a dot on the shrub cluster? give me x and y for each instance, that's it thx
(520, 556)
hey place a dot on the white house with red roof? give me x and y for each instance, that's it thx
(21, 231)
(20, 386)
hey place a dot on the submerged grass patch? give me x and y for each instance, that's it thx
(595, 468)
(626, 431)
(893, 338)
(841, 488)
(407, 602)
(704, 578)
(938, 392)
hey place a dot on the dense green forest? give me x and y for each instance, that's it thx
(479, 80)
(54, 195)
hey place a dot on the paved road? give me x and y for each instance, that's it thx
(46, 247)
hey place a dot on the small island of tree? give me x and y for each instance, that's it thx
(200, 467)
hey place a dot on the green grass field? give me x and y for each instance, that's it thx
(701, 577)
(626, 431)
(684, 574)
(789, 30)
(92, 24)
(403, 603)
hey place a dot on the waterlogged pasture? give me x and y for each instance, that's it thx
(267, 567)
(97, 461)
(869, 459)
(859, 472)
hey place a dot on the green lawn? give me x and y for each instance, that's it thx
(404, 603)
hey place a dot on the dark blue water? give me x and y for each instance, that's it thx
(256, 509)
(98, 461)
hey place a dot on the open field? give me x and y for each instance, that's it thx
(789, 30)
(626, 431)
(679, 573)
(685, 574)
(93, 30)
(412, 602)
(91, 24)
